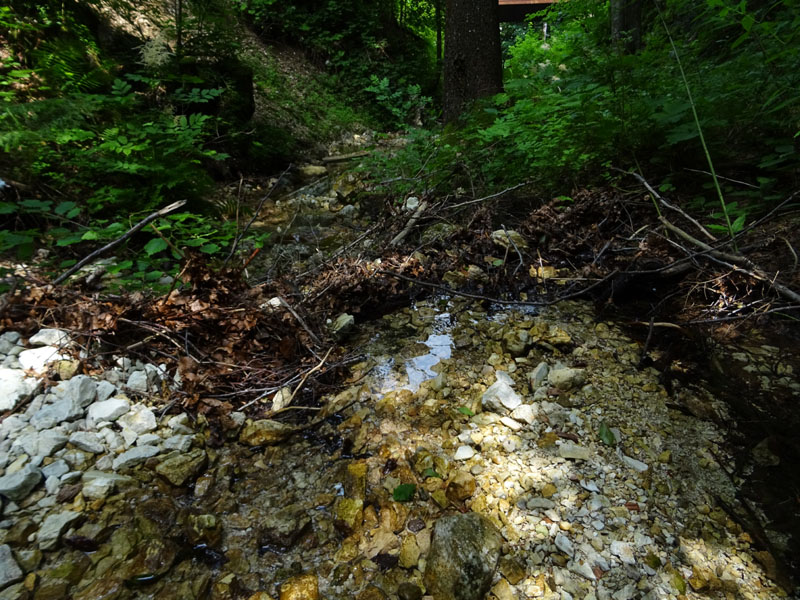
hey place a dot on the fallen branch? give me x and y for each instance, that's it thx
(737, 260)
(111, 245)
(491, 196)
(288, 307)
(254, 217)
(344, 157)
(423, 206)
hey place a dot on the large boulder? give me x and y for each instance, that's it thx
(463, 558)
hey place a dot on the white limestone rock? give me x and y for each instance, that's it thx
(87, 441)
(139, 419)
(108, 410)
(500, 396)
(15, 388)
(37, 359)
(49, 337)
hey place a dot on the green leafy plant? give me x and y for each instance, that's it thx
(404, 492)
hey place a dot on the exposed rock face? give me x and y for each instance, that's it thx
(463, 557)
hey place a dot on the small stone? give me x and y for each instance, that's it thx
(49, 337)
(98, 488)
(300, 587)
(409, 553)
(138, 382)
(37, 359)
(502, 591)
(52, 484)
(108, 410)
(60, 411)
(623, 551)
(87, 441)
(15, 388)
(181, 443)
(509, 239)
(537, 377)
(139, 419)
(461, 487)
(341, 326)
(18, 485)
(182, 468)
(525, 413)
(51, 441)
(464, 453)
(148, 439)
(541, 503)
(634, 464)
(105, 389)
(180, 423)
(9, 569)
(511, 423)
(564, 544)
(409, 591)
(573, 451)
(82, 389)
(52, 528)
(565, 378)
(500, 396)
(57, 468)
(134, 456)
(549, 490)
(348, 514)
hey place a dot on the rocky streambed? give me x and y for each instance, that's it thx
(477, 453)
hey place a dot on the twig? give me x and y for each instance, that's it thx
(166, 241)
(410, 225)
(254, 217)
(744, 183)
(658, 197)
(738, 260)
(299, 320)
(521, 260)
(498, 194)
(111, 245)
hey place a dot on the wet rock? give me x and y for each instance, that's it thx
(461, 487)
(181, 468)
(500, 396)
(134, 456)
(371, 592)
(409, 552)
(512, 568)
(87, 441)
(281, 529)
(408, 591)
(139, 419)
(9, 569)
(464, 554)
(204, 529)
(108, 410)
(153, 558)
(15, 388)
(101, 589)
(18, 485)
(265, 432)
(52, 589)
(98, 484)
(52, 528)
(348, 514)
(300, 587)
(565, 378)
(49, 337)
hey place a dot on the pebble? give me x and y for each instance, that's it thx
(574, 451)
(464, 453)
(134, 456)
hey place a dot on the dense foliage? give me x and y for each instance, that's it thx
(575, 105)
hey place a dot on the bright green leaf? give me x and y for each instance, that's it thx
(155, 246)
(404, 492)
(465, 411)
(606, 435)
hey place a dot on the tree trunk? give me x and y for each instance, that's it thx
(626, 25)
(472, 57)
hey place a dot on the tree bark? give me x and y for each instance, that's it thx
(626, 25)
(472, 57)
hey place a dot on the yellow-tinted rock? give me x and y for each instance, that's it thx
(371, 593)
(502, 591)
(409, 553)
(300, 587)
(548, 490)
(461, 487)
(260, 596)
(547, 440)
(265, 432)
(348, 513)
(356, 483)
